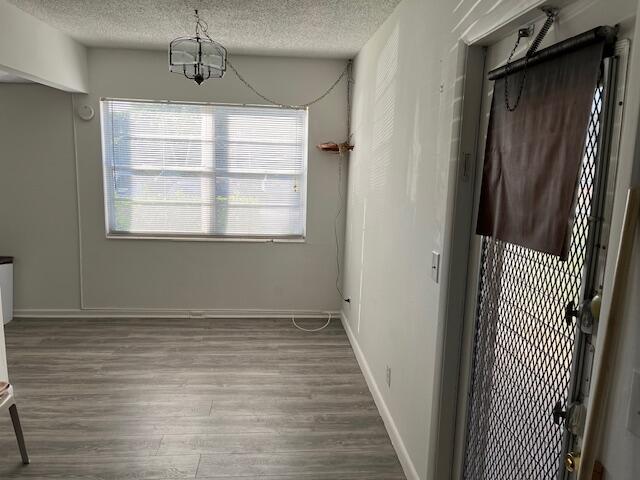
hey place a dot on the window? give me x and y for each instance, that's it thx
(202, 170)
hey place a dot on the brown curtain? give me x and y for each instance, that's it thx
(533, 154)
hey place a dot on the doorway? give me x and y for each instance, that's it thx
(530, 343)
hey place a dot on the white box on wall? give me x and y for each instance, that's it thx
(6, 288)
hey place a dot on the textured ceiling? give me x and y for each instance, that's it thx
(322, 28)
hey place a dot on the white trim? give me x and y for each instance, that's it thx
(528, 11)
(167, 313)
(219, 104)
(203, 238)
(396, 439)
(503, 26)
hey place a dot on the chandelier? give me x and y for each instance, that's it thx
(198, 58)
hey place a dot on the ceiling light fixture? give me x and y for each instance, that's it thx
(198, 58)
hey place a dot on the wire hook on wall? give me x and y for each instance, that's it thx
(526, 32)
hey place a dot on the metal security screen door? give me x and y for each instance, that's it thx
(527, 344)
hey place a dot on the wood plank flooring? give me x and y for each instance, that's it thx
(186, 399)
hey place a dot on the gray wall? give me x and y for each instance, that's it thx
(38, 208)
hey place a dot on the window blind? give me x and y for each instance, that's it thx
(186, 169)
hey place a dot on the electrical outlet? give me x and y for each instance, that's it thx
(633, 418)
(388, 376)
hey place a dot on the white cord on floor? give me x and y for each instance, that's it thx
(293, 319)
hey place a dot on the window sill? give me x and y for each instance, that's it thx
(111, 236)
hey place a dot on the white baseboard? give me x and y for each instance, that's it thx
(166, 313)
(403, 455)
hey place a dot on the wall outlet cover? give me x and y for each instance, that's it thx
(435, 266)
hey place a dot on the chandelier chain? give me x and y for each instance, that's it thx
(204, 27)
(275, 102)
(201, 25)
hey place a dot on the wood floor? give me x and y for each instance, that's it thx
(184, 399)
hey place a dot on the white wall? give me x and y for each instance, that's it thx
(33, 50)
(400, 203)
(393, 220)
(38, 201)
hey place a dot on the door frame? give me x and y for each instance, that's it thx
(456, 332)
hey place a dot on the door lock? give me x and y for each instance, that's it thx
(572, 461)
(586, 313)
(573, 417)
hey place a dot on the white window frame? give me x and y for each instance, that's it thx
(108, 188)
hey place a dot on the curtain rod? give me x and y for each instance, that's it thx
(606, 33)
